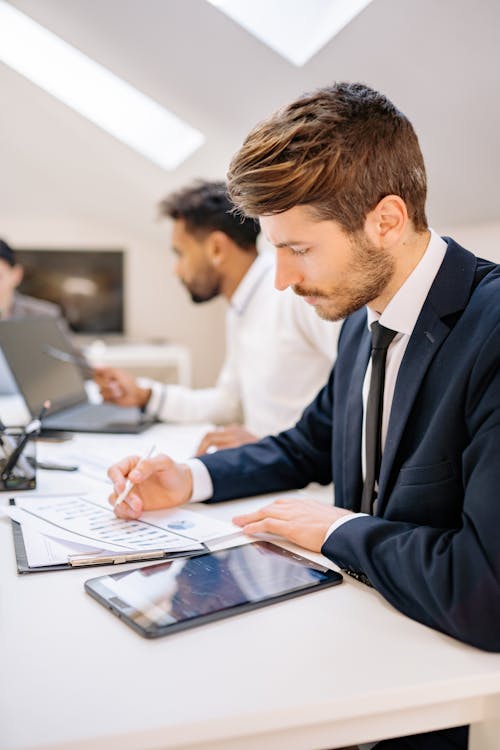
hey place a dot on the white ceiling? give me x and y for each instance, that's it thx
(439, 60)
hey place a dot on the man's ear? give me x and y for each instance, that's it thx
(386, 223)
(17, 275)
(217, 248)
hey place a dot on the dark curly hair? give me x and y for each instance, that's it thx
(206, 207)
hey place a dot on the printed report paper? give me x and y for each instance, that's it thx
(73, 528)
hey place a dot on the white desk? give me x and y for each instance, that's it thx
(333, 668)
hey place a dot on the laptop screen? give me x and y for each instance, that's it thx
(35, 349)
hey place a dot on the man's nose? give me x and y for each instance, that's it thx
(287, 274)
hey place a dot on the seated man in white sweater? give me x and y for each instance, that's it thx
(278, 352)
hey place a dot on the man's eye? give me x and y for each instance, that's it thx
(299, 250)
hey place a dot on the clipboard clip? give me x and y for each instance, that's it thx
(113, 559)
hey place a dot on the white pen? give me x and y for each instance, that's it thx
(128, 484)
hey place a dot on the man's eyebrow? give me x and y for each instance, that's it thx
(289, 243)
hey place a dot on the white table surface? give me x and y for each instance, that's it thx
(329, 669)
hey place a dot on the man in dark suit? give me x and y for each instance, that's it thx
(338, 182)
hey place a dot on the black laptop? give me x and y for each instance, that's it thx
(45, 367)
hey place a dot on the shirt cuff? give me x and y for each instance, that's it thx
(343, 519)
(157, 398)
(203, 488)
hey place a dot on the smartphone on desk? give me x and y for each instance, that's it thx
(54, 436)
(162, 599)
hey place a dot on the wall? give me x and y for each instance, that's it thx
(482, 239)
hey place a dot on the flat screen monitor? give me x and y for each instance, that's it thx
(88, 285)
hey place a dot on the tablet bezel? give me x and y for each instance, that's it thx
(97, 588)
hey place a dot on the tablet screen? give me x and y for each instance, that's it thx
(161, 599)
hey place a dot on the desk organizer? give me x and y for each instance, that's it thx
(22, 476)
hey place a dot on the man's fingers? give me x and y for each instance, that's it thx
(119, 471)
(231, 436)
(130, 508)
(114, 390)
(268, 511)
(110, 394)
(127, 468)
(100, 371)
(219, 439)
(204, 444)
(247, 518)
(150, 466)
(222, 440)
(267, 525)
(103, 374)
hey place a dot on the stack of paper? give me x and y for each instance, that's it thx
(81, 530)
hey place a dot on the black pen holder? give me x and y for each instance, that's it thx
(22, 475)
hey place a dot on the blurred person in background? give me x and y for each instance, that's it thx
(13, 304)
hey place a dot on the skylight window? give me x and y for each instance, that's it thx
(93, 91)
(296, 29)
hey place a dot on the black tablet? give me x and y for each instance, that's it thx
(161, 599)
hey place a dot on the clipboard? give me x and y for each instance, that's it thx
(111, 559)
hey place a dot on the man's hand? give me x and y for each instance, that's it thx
(226, 437)
(120, 388)
(159, 483)
(304, 522)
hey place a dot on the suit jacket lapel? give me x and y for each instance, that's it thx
(425, 341)
(448, 294)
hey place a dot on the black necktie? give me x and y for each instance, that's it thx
(381, 338)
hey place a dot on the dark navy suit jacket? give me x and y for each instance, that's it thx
(433, 547)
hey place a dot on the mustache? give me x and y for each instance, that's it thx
(302, 292)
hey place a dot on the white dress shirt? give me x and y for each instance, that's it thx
(278, 356)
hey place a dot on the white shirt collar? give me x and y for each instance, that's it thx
(401, 314)
(250, 282)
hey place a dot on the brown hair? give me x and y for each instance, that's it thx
(340, 149)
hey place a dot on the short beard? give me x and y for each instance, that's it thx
(200, 298)
(200, 293)
(370, 273)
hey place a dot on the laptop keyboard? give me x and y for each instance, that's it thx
(94, 417)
